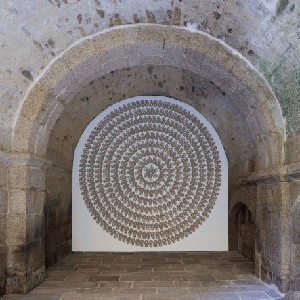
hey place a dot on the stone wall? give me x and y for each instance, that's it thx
(57, 215)
(3, 218)
(25, 224)
(35, 32)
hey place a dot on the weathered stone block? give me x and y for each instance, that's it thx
(16, 229)
(131, 51)
(17, 201)
(38, 99)
(3, 175)
(150, 49)
(80, 52)
(118, 63)
(150, 60)
(26, 177)
(35, 201)
(114, 38)
(26, 131)
(3, 200)
(173, 55)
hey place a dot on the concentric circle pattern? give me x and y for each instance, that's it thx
(150, 172)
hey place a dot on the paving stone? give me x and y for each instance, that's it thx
(219, 296)
(103, 278)
(78, 276)
(140, 291)
(153, 284)
(253, 296)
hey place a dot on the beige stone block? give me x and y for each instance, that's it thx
(151, 33)
(3, 226)
(42, 142)
(67, 87)
(26, 177)
(46, 111)
(78, 53)
(114, 38)
(219, 52)
(177, 36)
(16, 229)
(150, 60)
(18, 177)
(118, 63)
(24, 135)
(35, 201)
(57, 70)
(3, 200)
(17, 201)
(36, 102)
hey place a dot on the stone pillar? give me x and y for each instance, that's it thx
(273, 238)
(25, 223)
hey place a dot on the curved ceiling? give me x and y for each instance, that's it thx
(152, 45)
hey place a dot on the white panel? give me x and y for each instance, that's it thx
(211, 235)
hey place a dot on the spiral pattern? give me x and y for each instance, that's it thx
(150, 172)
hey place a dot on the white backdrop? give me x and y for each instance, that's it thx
(87, 235)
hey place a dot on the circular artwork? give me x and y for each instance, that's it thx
(150, 172)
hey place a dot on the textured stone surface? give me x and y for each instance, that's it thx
(57, 215)
(165, 275)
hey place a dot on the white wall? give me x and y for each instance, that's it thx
(88, 235)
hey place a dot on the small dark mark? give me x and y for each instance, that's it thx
(223, 93)
(181, 88)
(229, 30)
(150, 70)
(282, 4)
(251, 52)
(150, 17)
(79, 18)
(160, 84)
(135, 18)
(217, 15)
(100, 13)
(169, 13)
(51, 43)
(292, 7)
(193, 89)
(27, 74)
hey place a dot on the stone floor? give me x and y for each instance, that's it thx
(150, 276)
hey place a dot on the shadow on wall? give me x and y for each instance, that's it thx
(242, 231)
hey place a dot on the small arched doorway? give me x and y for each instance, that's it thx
(242, 230)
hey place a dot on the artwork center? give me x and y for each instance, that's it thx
(150, 172)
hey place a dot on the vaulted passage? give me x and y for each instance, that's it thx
(243, 115)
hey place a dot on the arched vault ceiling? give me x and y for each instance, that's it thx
(206, 97)
(35, 32)
(139, 45)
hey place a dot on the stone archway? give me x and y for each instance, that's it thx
(53, 107)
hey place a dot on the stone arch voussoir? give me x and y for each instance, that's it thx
(144, 44)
